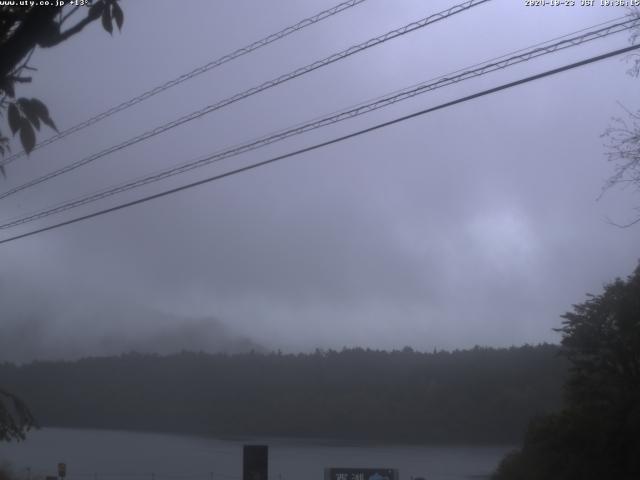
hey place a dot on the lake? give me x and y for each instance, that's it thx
(119, 455)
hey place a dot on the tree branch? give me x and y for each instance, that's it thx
(622, 225)
(38, 24)
(62, 36)
(15, 417)
(71, 12)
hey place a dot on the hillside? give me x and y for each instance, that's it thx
(480, 395)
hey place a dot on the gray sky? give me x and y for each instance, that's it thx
(477, 224)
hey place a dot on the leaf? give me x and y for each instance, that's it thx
(7, 86)
(14, 118)
(106, 20)
(27, 137)
(43, 113)
(118, 16)
(30, 112)
(41, 108)
(96, 10)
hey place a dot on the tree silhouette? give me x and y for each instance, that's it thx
(623, 139)
(597, 435)
(15, 417)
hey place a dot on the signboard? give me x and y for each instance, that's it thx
(255, 462)
(360, 474)
(62, 470)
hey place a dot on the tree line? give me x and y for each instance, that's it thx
(481, 395)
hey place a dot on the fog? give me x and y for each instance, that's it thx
(478, 224)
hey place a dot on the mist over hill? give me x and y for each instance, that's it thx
(46, 329)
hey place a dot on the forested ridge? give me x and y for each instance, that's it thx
(482, 395)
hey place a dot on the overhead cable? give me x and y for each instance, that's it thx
(411, 27)
(317, 146)
(492, 66)
(318, 17)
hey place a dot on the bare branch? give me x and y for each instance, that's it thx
(622, 225)
(15, 417)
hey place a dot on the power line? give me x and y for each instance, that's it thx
(252, 91)
(318, 17)
(317, 146)
(616, 20)
(382, 102)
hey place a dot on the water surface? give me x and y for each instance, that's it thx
(118, 455)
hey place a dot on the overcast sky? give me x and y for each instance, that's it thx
(478, 224)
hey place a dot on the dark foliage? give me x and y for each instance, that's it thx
(15, 417)
(597, 435)
(6, 473)
(22, 29)
(473, 396)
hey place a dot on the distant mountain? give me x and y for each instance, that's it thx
(174, 334)
(45, 329)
